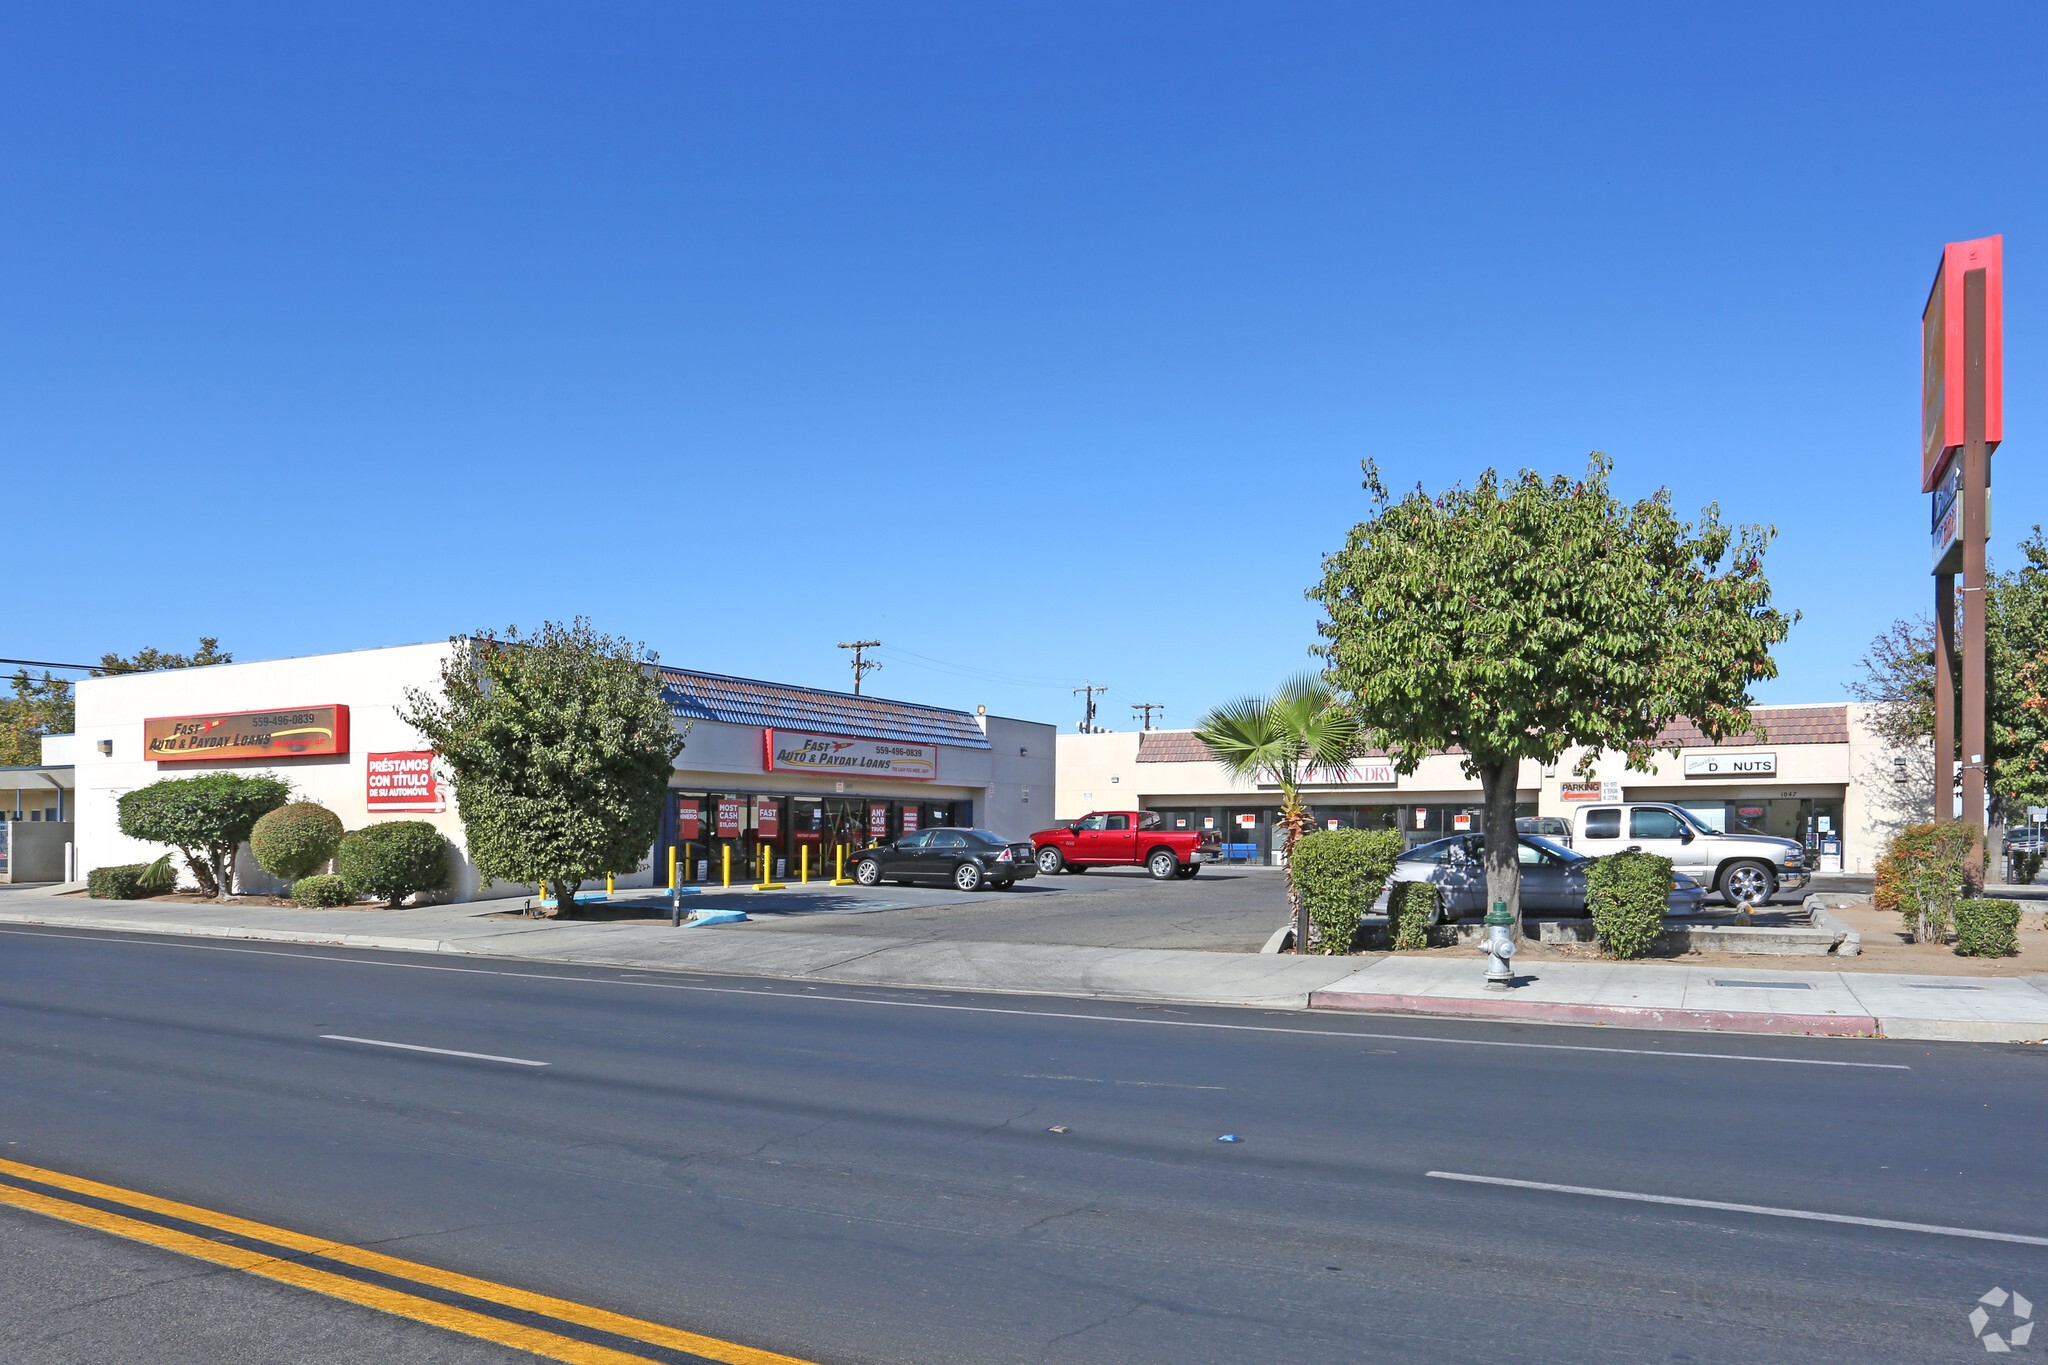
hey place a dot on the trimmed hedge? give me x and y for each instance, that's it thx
(292, 841)
(1921, 876)
(1410, 908)
(322, 890)
(122, 882)
(1628, 894)
(391, 861)
(2026, 867)
(1987, 928)
(1338, 874)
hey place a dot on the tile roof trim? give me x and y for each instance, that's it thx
(915, 722)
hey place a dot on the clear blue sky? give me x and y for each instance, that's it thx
(1041, 340)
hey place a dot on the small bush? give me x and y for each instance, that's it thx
(1338, 873)
(1922, 876)
(2026, 867)
(158, 877)
(292, 841)
(1987, 928)
(322, 890)
(1628, 894)
(1410, 907)
(119, 883)
(391, 861)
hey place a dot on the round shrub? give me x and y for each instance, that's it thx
(294, 840)
(322, 890)
(391, 861)
(1987, 928)
(1628, 894)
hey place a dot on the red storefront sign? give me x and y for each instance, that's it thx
(404, 782)
(730, 816)
(910, 819)
(878, 819)
(767, 822)
(688, 816)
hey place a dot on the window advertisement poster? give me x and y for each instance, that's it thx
(790, 750)
(404, 781)
(689, 819)
(909, 818)
(731, 816)
(767, 818)
(878, 819)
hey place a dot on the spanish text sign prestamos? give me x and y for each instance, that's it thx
(793, 751)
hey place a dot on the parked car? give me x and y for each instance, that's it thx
(1125, 838)
(970, 859)
(1553, 878)
(1555, 828)
(1747, 869)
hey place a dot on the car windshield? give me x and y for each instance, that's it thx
(1426, 853)
(1476, 843)
(989, 837)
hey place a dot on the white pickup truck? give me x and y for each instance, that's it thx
(1747, 869)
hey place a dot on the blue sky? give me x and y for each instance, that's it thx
(1041, 341)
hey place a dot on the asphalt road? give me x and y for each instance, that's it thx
(869, 1176)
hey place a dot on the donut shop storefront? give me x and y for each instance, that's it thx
(784, 782)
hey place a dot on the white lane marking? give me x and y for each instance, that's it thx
(438, 1051)
(1806, 1214)
(107, 937)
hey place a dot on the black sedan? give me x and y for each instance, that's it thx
(970, 859)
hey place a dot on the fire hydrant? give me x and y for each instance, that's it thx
(1499, 946)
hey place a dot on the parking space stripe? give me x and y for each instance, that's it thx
(462, 1320)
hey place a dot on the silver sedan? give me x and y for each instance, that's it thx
(1553, 878)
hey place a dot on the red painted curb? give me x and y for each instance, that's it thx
(1722, 1021)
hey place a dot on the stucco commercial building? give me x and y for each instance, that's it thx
(773, 770)
(1816, 774)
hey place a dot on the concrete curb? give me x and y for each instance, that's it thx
(1964, 1031)
(1848, 942)
(403, 945)
(1282, 936)
(1628, 1016)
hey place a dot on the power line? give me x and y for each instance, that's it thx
(861, 665)
(44, 663)
(1088, 720)
(1148, 707)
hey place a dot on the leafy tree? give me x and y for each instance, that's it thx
(44, 706)
(1518, 618)
(205, 818)
(561, 746)
(2015, 643)
(1280, 738)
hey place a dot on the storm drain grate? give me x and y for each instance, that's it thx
(1943, 986)
(1770, 985)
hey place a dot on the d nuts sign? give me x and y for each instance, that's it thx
(1731, 765)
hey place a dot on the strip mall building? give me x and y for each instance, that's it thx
(770, 771)
(1816, 774)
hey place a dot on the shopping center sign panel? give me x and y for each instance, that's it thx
(1943, 354)
(288, 732)
(793, 751)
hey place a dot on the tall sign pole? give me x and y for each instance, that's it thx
(1962, 421)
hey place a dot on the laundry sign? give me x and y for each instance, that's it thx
(1731, 765)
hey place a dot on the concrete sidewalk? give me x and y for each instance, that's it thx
(1755, 999)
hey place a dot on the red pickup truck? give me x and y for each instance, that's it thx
(1125, 838)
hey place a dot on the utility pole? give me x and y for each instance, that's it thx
(1088, 719)
(1148, 707)
(861, 665)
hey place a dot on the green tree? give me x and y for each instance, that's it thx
(561, 747)
(1519, 618)
(205, 818)
(44, 706)
(1279, 739)
(2015, 641)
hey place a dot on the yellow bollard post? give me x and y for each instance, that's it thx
(607, 886)
(807, 865)
(728, 866)
(839, 866)
(766, 857)
(671, 867)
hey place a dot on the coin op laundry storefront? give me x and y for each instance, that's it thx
(774, 776)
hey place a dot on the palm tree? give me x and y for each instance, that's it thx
(1279, 739)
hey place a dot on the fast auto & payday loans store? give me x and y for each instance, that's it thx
(782, 780)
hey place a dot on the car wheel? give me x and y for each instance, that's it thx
(1050, 862)
(868, 872)
(1163, 865)
(1190, 870)
(1746, 885)
(968, 876)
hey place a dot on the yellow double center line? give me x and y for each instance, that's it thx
(469, 1322)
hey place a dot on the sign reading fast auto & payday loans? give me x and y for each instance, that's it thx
(288, 732)
(791, 751)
